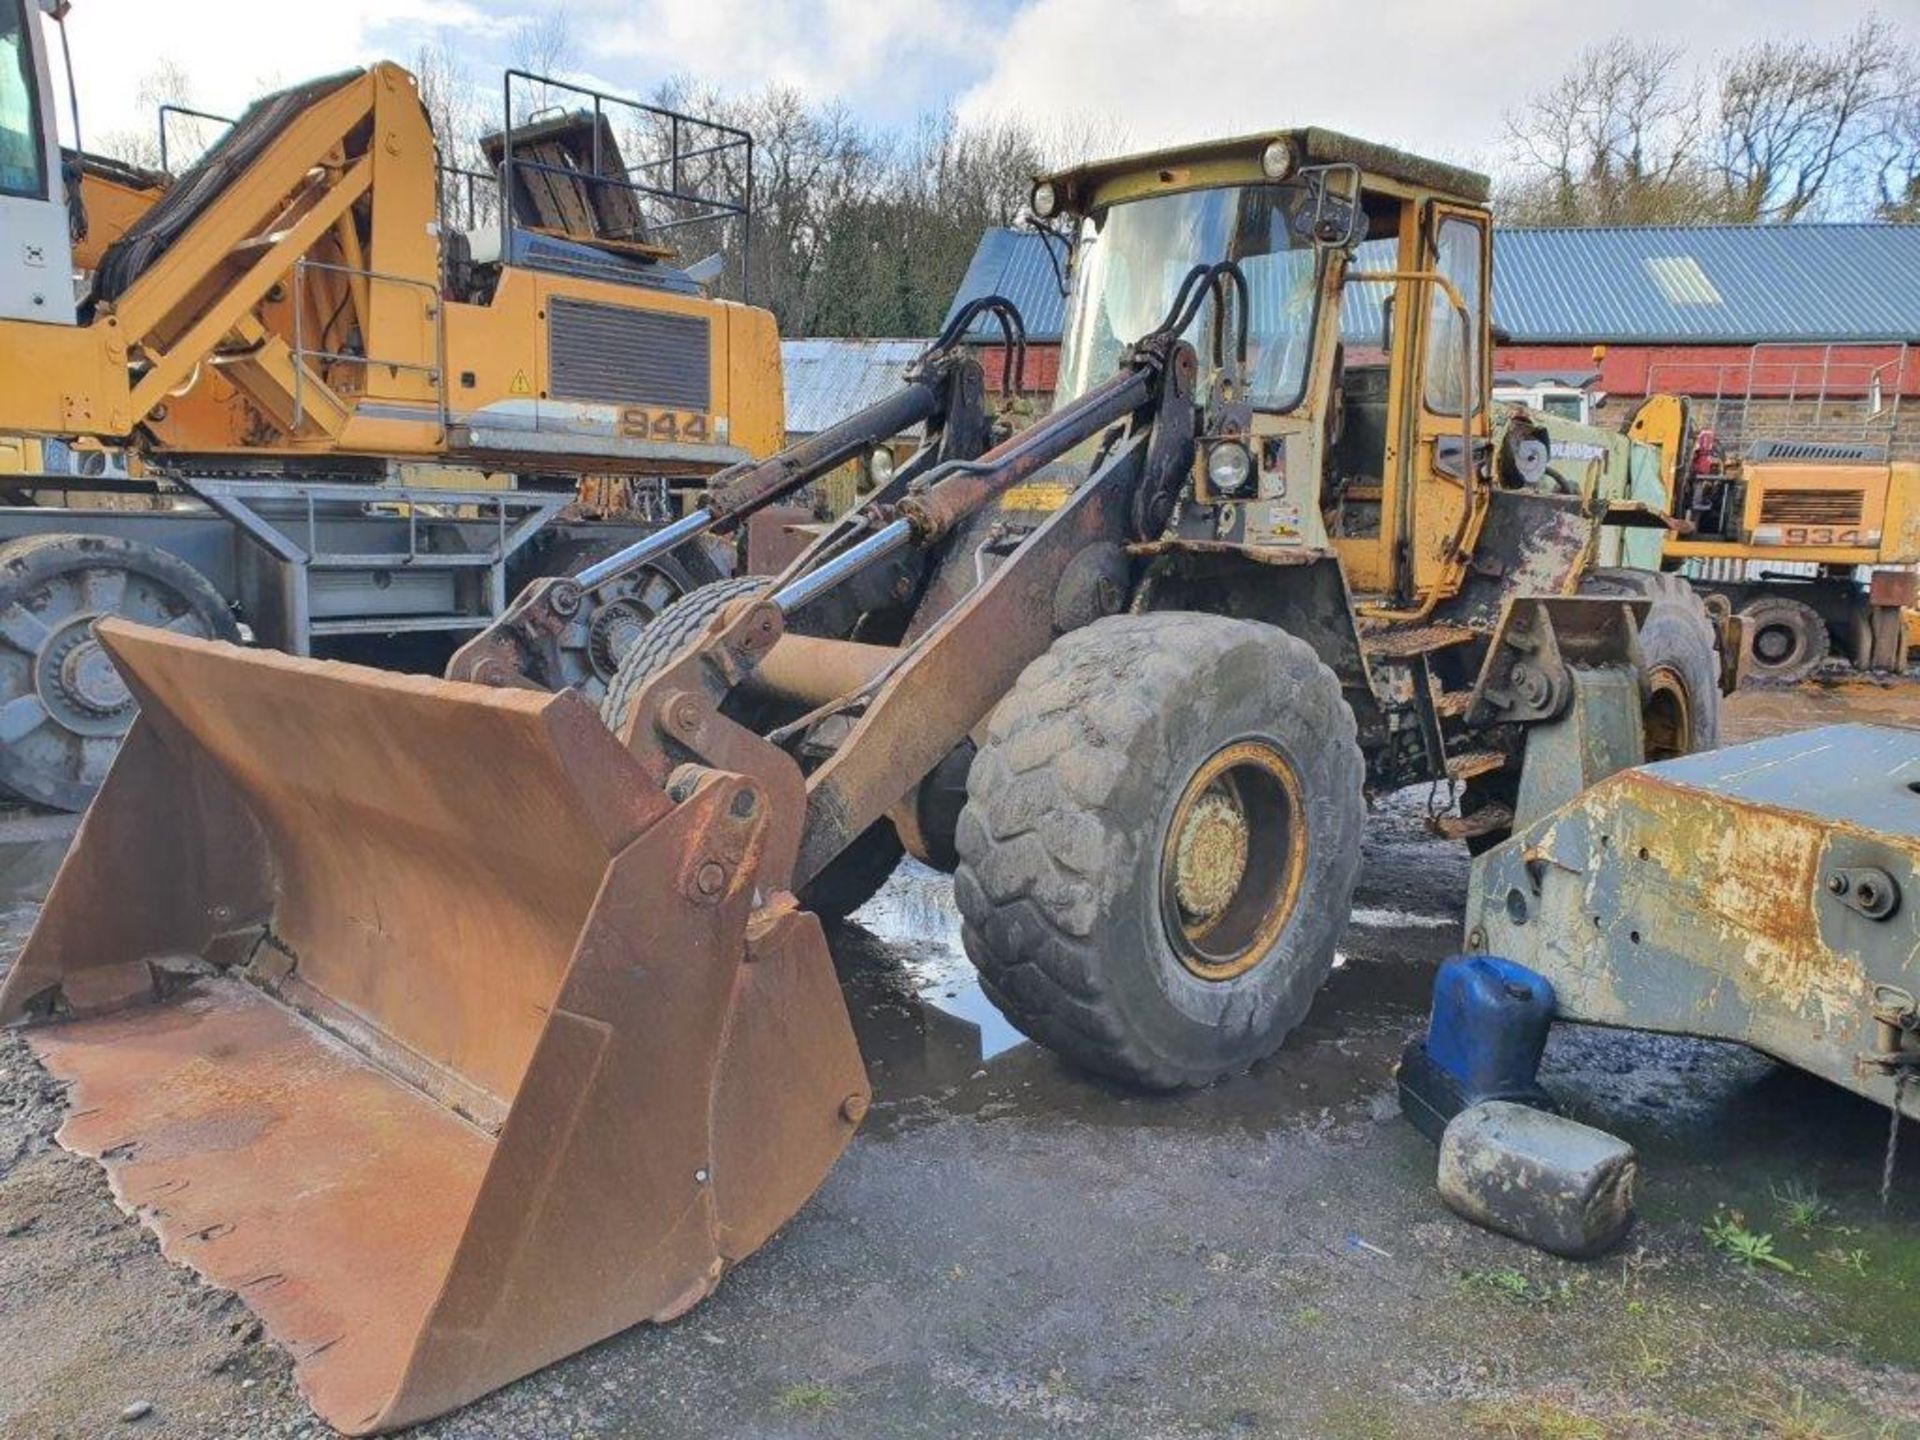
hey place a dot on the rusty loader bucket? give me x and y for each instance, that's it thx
(421, 1017)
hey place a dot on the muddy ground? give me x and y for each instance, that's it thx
(1011, 1249)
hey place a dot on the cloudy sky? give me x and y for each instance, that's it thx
(1434, 75)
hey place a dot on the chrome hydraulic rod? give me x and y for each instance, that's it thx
(648, 547)
(962, 487)
(815, 583)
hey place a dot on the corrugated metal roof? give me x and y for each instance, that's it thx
(1013, 263)
(1722, 284)
(828, 380)
(1711, 284)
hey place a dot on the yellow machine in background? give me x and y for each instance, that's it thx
(300, 299)
(1784, 531)
(357, 387)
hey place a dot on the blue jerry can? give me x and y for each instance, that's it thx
(1483, 1042)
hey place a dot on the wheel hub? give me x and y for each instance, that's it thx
(88, 675)
(1233, 860)
(1666, 716)
(1775, 643)
(76, 681)
(1210, 855)
(612, 631)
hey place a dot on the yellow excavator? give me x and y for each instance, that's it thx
(1814, 542)
(456, 1024)
(362, 383)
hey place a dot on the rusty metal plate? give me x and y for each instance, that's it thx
(1697, 896)
(279, 1164)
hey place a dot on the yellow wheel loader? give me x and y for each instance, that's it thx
(365, 383)
(456, 1025)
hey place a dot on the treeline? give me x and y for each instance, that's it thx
(856, 229)
(1638, 133)
(862, 230)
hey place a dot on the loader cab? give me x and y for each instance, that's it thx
(36, 260)
(1368, 367)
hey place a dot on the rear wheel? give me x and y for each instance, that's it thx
(1680, 655)
(852, 877)
(63, 706)
(1679, 690)
(1160, 843)
(1787, 639)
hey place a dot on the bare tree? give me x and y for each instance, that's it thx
(460, 114)
(165, 84)
(1615, 141)
(1897, 158)
(1796, 118)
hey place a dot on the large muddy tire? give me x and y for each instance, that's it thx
(1160, 843)
(1788, 640)
(1680, 651)
(63, 707)
(852, 877)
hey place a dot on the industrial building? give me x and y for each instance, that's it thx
(1797, 329)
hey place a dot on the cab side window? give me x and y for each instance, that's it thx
(1453, 367)
(23, 160)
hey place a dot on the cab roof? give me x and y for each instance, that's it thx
(1237, 162)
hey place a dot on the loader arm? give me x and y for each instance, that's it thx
(924, 697)
(942, 391)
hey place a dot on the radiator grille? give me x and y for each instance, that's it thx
(628, 357)
(1812, 507)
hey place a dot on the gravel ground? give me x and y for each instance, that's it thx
(1010, 1249)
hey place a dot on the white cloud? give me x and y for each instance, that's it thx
(1434, 77)
(893, 61)
(234, 52)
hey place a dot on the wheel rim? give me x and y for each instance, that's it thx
(63, 705)
(617, 620)
(1232, 860)
(1776, 644)
(1666, 715)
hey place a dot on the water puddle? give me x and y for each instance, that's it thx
(936, 1046)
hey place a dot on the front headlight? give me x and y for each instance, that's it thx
(1276, 161)
(1045, 200)
(1229, 467)
(880, 466)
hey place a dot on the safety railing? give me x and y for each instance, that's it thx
(186, 112)
(697, 171)
(1846, 394)
(467, 198)
(360, 283)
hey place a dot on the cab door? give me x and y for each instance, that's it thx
(1449, 389)
(36, 262)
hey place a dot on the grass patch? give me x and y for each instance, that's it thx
(1727, 1232)
(808, 1398)
(1515, 1285)
(1532, 1419)
(1792, 1416)
(1798, 1206)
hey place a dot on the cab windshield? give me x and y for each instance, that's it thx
(1133, 257)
